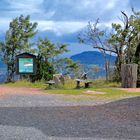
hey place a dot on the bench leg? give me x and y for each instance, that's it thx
(86, 85)
(51, 85)
(78, 84)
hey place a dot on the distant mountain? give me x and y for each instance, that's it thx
(92, 57)
(89, 58)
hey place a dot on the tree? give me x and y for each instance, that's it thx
(98, 39)
(47, 57)
(67, 66)
(90, 70)
(17, 41)
(123, 40)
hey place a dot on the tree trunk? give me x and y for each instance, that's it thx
(129, 75)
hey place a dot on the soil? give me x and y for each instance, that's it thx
(131, 89)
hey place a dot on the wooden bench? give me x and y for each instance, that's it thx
(51, 83)
(58, 79)
(86, 82)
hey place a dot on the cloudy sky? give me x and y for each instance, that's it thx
(61, 20)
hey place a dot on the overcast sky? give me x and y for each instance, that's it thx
(61, 20)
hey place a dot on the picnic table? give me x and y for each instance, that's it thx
(86, 82)
(51, 83)
(58, 79)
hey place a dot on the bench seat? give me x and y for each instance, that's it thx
(50, 83)
(86, 82)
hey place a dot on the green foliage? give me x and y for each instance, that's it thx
(126, 39)
(47, 71)
(49, 50)
(123, 40)
(47, 58)
(17, 41)
(67, 66)
(27, 84)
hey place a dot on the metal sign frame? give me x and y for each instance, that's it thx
(24, 56)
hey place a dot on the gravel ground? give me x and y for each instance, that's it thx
(36, 116)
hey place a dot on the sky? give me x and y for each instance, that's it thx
(62, 20)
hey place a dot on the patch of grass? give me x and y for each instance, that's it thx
(114, 93)
(70, 88)
(105, 84)
(78, 98)
(111, 90)
(66, 91)
(25, 83)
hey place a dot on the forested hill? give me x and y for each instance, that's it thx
(92, 57)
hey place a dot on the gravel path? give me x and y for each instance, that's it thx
(32, 115)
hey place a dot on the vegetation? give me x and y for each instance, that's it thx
(123, 40)
(27, 84)
(17, 41)
(21, 30)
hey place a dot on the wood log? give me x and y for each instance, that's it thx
(129, 75)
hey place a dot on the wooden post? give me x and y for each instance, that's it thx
(78, 84)
(129, 75)
(87, 85)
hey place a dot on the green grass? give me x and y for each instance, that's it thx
(111, 90)
(24, 83)
(70, 88)
(114, 93)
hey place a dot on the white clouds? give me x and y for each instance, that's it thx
(110, 5)
(61, 27)
(4, 24)
(58, 27)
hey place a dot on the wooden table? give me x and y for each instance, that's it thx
(86, 82)
(50, 83)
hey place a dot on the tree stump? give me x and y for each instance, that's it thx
(129, 75)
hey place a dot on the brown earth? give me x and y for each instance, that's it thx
(131, 89)
(4, 90)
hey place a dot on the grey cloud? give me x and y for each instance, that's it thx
(79, 10)
(69, 10)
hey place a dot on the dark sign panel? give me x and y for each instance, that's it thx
(26, 64)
